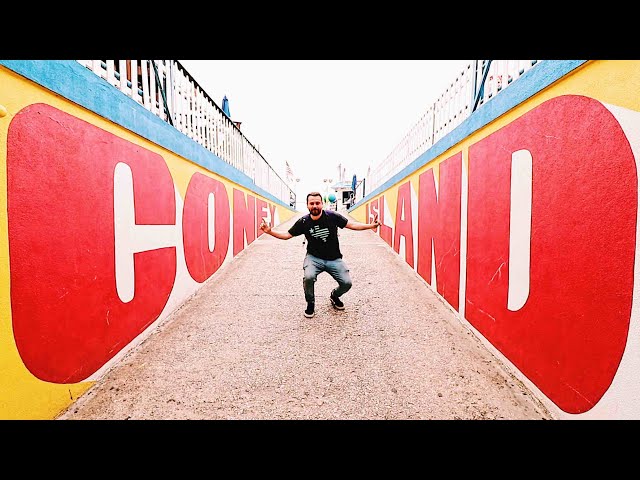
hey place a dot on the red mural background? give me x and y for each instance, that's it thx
(244, 220)
(404, 224)
(439, 223)
(569, 336)
(201, 262)
(67, 317)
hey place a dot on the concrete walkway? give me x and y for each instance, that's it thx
(241, 348)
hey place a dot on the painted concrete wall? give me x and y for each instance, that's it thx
(524, 221)
(109, 220)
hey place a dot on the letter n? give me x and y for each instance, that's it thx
(439, 228)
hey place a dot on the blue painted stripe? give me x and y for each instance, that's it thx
(78, 84)
(530, 83)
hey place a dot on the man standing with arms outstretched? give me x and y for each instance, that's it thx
(320, 228)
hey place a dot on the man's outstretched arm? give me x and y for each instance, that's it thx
(266, 228)
(362, 226)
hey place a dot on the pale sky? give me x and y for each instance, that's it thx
(318, 114)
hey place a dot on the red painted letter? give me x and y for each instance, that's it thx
(261, 208)
(404, 226)
(201, 261)
(439, 222)
(68, 319)
(386, 233)
(569, 336)
(244, 217)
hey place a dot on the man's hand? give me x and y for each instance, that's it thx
(376, 222)
(265, 227)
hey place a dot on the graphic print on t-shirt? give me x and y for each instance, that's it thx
(321, 233)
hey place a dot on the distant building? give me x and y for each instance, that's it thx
(344, 195)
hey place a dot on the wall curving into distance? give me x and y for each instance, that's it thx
(109, 220)
(524, 221)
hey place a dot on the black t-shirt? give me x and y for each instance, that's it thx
(322, 234)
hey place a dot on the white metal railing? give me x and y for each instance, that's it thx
(453, 106)
(192, 111)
